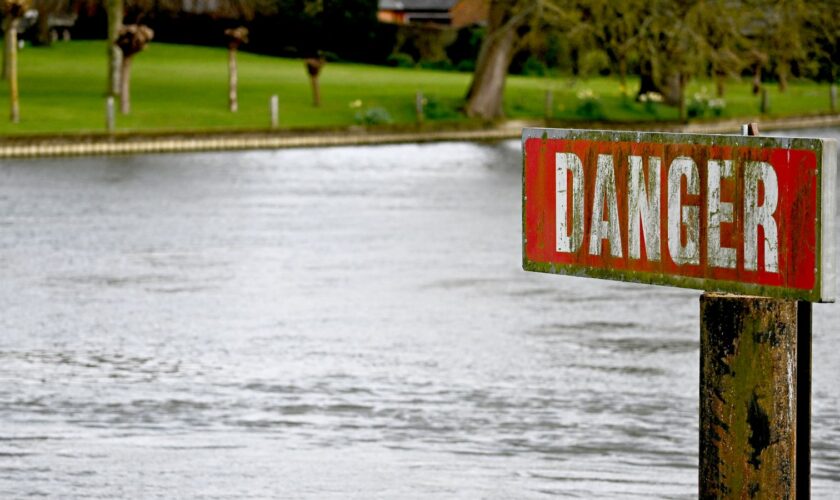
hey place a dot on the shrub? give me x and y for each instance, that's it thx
(701, 104)
(400, 60)
(467, 66)
(373, 116)
(435, 109)
(594, 62)
(534, 67)
(441, 64)
(589, 107)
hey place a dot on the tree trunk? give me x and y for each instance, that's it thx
(674, 91)
(720, 83)
(647, 83)
(622, 72)
(782, 70)
(486, 93)
(316, 90)
(42, 33)
(11, 54)
(125, 90)
(682, 82)
(6, 48)
(115, 18)
(756, 83)
(232, 81)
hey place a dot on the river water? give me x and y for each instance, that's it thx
(334, 323)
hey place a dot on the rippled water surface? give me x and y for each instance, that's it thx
(335, 323)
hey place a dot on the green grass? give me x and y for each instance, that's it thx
(178, 87)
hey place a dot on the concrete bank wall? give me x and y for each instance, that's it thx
(84, 145)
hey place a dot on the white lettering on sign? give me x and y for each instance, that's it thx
(643, 208)
(760, 215)
(569, 242)
(718, 212)
(679, 214)
(605, 191)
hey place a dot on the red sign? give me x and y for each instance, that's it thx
(727, 213)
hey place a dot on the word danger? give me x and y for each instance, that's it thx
(683, 219)
(713, 213)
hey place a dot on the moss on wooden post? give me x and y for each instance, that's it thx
(748, 397)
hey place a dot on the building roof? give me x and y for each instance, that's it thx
(417, 5)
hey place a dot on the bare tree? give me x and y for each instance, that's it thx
(13, 10)
(132, 39)
(235, 38)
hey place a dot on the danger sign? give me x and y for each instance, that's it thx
(749, 215)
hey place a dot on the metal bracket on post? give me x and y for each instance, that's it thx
(755, 395)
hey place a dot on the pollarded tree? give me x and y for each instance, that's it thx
(13, 10)
(314, 65)
(115, 12)
(235, 38)
(132, 39)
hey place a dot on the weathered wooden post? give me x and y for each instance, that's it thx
(748, 220)
(110, 114)
(274, 110)
(418, 106)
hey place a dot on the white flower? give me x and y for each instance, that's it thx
(586, 94)
(655, 97)
(717, 103)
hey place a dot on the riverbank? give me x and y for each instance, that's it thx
(183, 89)
(140, 143)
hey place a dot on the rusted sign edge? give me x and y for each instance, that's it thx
(825, 288)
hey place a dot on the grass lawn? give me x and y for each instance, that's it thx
(179, 87)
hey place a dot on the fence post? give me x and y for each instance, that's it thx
(110, 114)
(755, 395)
(274, 109)
(418, 107)
(832, 92)
(549, 104)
